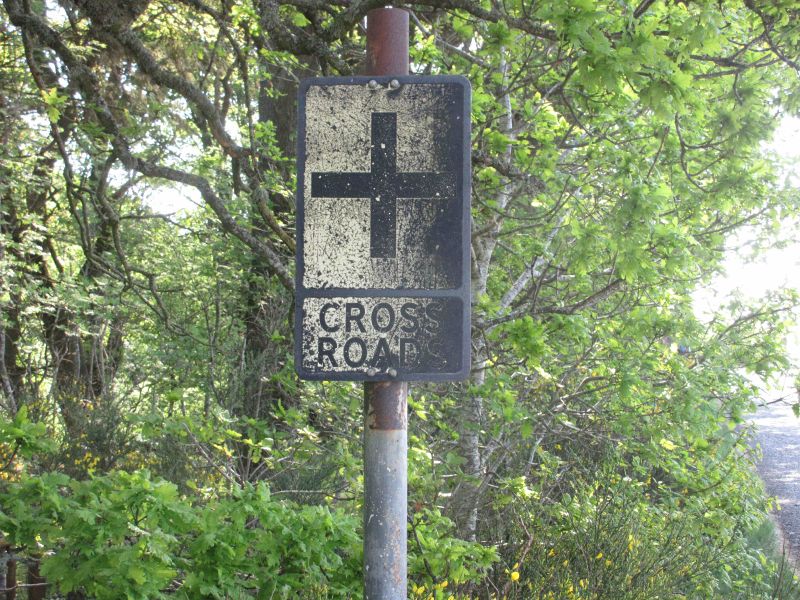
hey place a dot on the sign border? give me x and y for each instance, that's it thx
(464, 292)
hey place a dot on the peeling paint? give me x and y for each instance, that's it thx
(337, 230)
(352, 334)
(383, 228)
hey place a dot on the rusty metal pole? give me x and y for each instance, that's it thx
(385, 402)
(385, 490)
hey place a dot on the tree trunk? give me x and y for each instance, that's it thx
(10, 579)
(38, 589)
(467, 496)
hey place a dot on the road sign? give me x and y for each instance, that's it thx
(383, 229)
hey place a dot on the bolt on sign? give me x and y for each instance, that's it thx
(383, 228)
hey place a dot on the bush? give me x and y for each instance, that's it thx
(126, 535)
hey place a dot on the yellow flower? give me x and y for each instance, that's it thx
(551, 553)
(667, 445)
(514, 575)
(599, 556)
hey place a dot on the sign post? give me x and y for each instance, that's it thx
(385, 402)
(383, 259)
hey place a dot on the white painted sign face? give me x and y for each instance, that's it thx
(383, 228)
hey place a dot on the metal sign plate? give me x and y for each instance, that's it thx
(383, 228)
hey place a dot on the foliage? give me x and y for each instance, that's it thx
(128, 535)
(148, 395)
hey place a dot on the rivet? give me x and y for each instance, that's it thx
(394, 84)
(392, 372)
(372, 371)
(373, 85)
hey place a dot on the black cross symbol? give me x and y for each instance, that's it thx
(383, 185)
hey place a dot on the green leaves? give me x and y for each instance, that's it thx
(527, 338)
(615, 148)
(439, 558)
(20, 436)
(127, 535)
(54, 104)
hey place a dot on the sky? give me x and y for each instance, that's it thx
(775, 269)
(172, 199)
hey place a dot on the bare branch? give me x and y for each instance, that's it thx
(531, 272)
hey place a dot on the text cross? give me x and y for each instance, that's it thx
(383, 185)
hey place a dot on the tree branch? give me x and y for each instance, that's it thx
(89, 86)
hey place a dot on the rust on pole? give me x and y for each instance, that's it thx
(387, 42)
(385, 402)
(385, 490)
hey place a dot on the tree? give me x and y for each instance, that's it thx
(615, 148)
